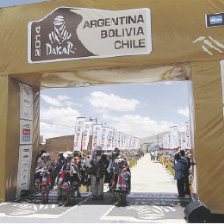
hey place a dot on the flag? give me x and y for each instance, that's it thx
(110, 139)
(86, 135)
(96, 135)
(166, 141)
(188, 136)
(104, 134)
(174, 138)
(79, 128)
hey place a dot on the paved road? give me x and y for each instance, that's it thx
(153, 199)
(148, 176)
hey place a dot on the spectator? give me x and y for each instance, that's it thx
(179, 174)
(186, 173)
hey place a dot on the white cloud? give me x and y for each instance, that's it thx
(60, 100)
(112, 102)
(69, 103)
(184, 111)
(63, 97)
(50, 100)
(50, 131)
(66, 116)
(58, 121)
(137, 125)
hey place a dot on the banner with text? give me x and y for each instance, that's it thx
(26, 132)
(174, 138)
(26, 102)
(111, 139)
(104, 133)
(86, 135)
(96, 135)
(69, 33)
(24, 167)
(166, 141)
(188, 136)
(79, 129)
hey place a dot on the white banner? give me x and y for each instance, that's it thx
(110, 139)
(122, 140)
(24, 167)
(182, 140)
(104, 133)
(113, 139)
(132, 142)
(96, 135)
(79, 128)
(188, 135)
(26, 132)
(86, 134)
(166, 141)
(69, 33)
(119, 140)
(26, 102)
(174, 138)
(129, 142)
(137, 143)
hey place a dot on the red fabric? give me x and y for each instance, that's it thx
(44, 180)
(81, 143)
(120, 180)
(125, 169)
(48, 179)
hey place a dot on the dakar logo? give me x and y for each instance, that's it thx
(59, 39)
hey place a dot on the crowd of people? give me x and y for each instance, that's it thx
(92, 170)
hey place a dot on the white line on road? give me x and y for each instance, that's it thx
(72, 208)
(26, 213)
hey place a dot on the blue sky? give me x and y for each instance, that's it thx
(137, 109)
(140, 110)
(6, 3)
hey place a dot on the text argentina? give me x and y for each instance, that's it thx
(121, 20)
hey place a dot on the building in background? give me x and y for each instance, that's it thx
(58, 144)
(158, 139)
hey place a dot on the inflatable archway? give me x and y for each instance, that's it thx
(138, 41)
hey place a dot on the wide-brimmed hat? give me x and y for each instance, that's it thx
(68, 154)
(46, 154)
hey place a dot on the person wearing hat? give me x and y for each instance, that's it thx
(58, 165)
(68, 173)
(97, 174)
(186, 161)
(77, 162)
(44, 165)
(39, 158)
(121, 180)
(38, 162)
(106, 161)
(110, 168)
(179, 167)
